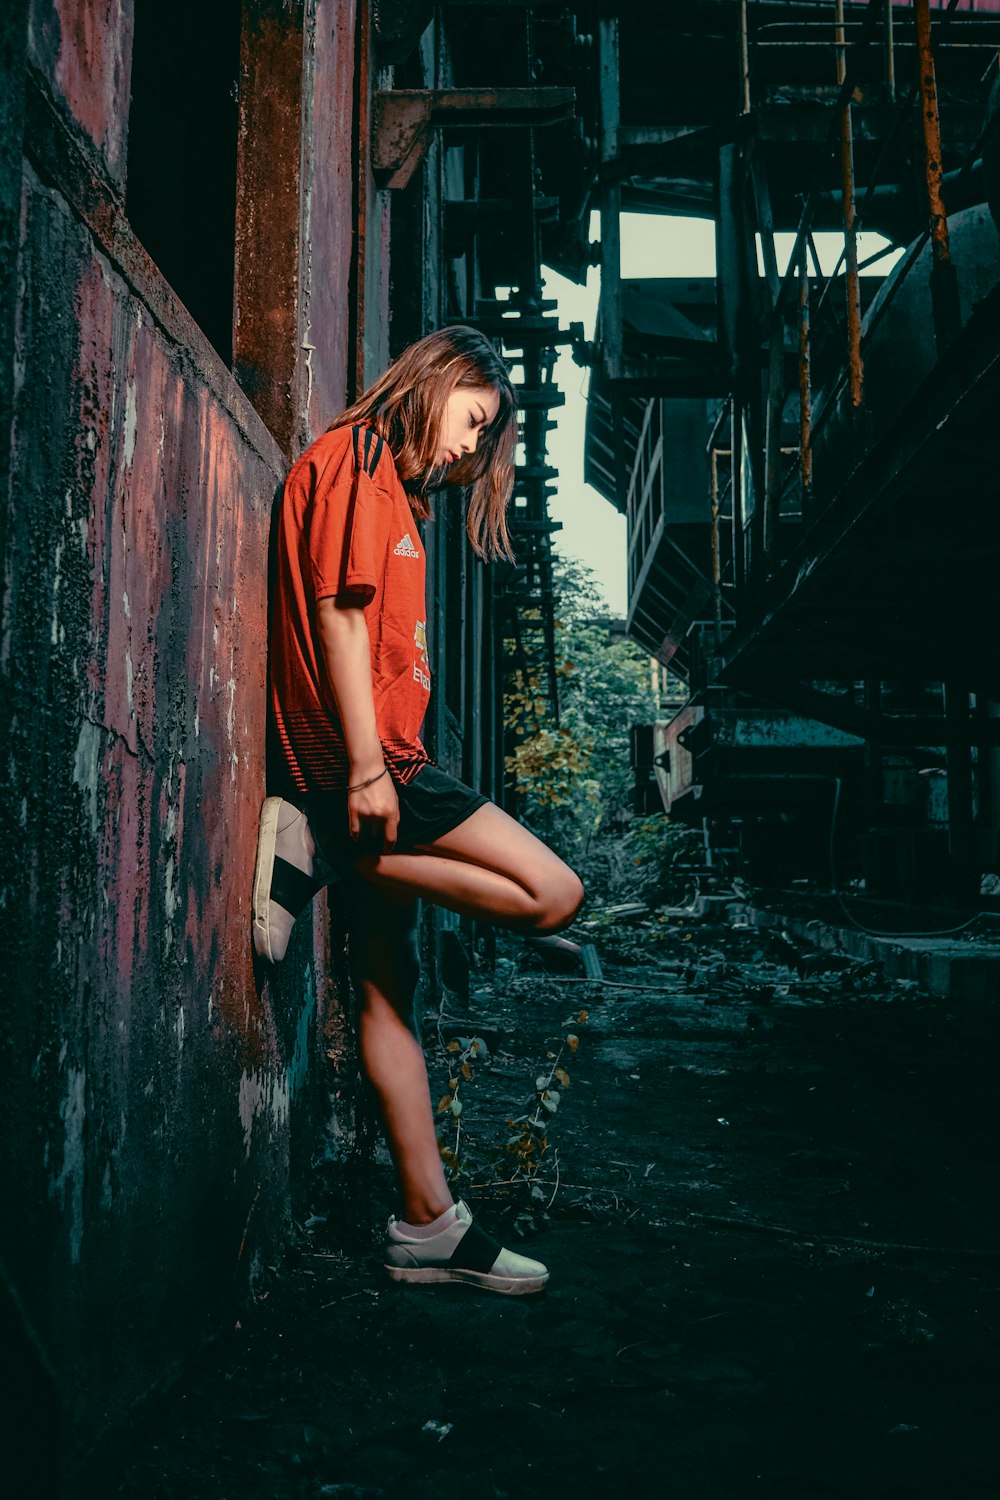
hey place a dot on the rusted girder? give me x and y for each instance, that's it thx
(944, 287)
(851, 284)
(404, 120)
(805, 384)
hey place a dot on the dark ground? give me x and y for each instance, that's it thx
(750, 1155)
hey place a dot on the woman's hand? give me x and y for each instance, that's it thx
(373, 813)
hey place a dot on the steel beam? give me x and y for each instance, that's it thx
(897, 731)
(405, 119)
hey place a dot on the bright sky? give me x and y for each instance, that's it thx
(652, 245)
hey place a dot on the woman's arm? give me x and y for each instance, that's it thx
(346, 650)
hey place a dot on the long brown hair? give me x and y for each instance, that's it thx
(405, 406)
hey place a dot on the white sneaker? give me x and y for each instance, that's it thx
(288, 874)
(461, 1251)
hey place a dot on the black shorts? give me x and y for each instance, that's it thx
(431, 804)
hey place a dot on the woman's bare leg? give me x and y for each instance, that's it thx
(488, 867)
(386, 968)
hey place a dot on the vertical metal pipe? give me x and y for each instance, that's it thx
(735, 306)
(772, 438)
(889, 49)
(944, 287)
(959, 768)
(872, 774)
(764, 528)
(736, 451)
(851, 279)
(805, 384)
(716, 558)
(611, 330)
(744, 60)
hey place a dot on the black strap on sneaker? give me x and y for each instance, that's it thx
(475, 1251)
(291, 887)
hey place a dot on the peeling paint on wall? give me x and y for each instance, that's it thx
(67, 1185)
(86, 768)
(132, 417)
(261, 1093)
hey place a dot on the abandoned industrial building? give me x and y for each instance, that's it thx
(759, 1150)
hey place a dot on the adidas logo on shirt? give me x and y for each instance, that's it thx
(405, 548)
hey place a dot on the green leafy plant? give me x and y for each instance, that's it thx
(526, 1148)
(465, 1051)
(519, 1162)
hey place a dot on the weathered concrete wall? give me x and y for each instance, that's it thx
(153, 1088)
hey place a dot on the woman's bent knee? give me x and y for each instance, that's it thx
(561, 903)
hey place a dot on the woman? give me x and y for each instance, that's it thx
(349, 685)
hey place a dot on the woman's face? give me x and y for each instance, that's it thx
(468, 410)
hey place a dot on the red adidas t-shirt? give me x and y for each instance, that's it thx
(346, 530)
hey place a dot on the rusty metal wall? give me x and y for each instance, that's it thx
(153, 1088)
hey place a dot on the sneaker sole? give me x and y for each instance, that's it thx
(267, 838)
(510, 1286)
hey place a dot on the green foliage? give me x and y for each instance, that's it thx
(574, 781)
(527, 1146)
(463, 1053)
